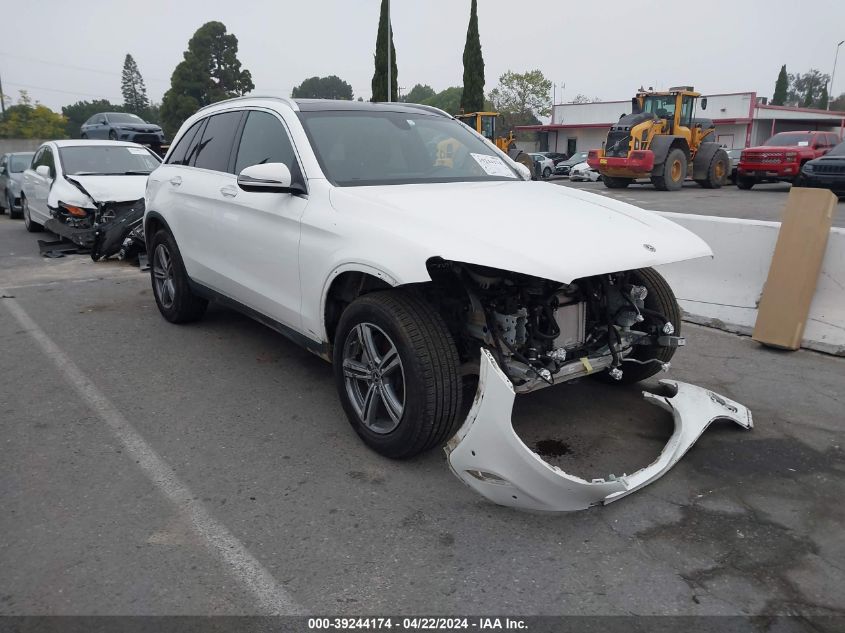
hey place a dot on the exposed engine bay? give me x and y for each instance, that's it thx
(542, 332)
(105, 229)
(519, 333)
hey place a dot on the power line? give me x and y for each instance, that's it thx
(69, 92)
(82, 68)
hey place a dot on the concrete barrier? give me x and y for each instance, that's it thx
(724, 291)
(8, 145)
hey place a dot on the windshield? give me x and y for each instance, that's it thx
(357, 148)
(107, 160)
(19, 162)
(785, 139)
(839, 150)
(122, 117)
(663, 105)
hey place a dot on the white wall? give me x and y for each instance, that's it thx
(719, 106)
(724, 291)
(587, 138)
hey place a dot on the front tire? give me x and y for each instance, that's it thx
(547, 173)
(744, 183)
(112, 135)
(616, 183)
(171, 287)
(396, 372)
(31, 225)
(717, 171)
(671, 174)
(660, 300)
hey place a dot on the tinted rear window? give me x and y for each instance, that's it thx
(839, 150)
(19, 162)
(215, 148)
(180, 153)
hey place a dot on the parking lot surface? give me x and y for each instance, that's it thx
(253, 447)
(763, 202)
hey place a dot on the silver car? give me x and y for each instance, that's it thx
(12, 167)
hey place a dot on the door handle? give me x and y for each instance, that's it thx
(176, 181)
(229, 191)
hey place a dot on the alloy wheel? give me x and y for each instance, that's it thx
(374, 378)
(163, 276)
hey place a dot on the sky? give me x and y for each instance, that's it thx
(62, 52)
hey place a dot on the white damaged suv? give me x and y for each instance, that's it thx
(398, 244)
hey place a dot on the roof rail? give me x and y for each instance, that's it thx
(289, 102)
(427, 108)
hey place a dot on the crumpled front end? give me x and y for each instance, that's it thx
(488, 456)
(105, 229)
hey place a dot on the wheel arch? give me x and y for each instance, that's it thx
(662, 145)
(153, 221)
(344, 284)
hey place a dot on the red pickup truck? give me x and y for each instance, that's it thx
(781, 157)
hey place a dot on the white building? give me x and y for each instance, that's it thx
(742, 120)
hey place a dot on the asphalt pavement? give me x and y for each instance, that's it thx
(149, 468)
(762, 202)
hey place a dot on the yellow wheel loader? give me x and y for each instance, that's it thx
(664, 141)
(485, 124)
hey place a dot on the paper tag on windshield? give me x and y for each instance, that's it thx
(136, 150)
(492, 165)
(803, 143)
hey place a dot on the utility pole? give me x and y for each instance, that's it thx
(389, 92)
(2, 101)
(830, 96)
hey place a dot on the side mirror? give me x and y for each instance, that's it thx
(43, 170)
(704, 103)
(267, 177)
(103, 122)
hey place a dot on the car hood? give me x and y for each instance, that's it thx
(829, 159)
(779, 148)
(535, 228)
(111, 188)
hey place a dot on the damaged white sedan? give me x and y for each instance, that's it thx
(89, 192)
(410, 252)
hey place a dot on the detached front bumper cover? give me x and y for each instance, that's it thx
(488, 456)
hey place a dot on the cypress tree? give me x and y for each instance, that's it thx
(379, 84)
(472, 99)
(823, 99)
(781, 86)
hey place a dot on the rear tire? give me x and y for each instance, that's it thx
(547, 172)
(13, 215)
(662, 300)
(31, 225)
(671, 174)
(83, 136)
(717, 171)
(431, 390)
(744, 183)
(616, 183)
(171, 287)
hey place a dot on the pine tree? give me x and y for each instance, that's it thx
(472, 99)
(781, 87)
(132, 86)
(379, 83)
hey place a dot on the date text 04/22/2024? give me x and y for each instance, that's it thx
(417, 623)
